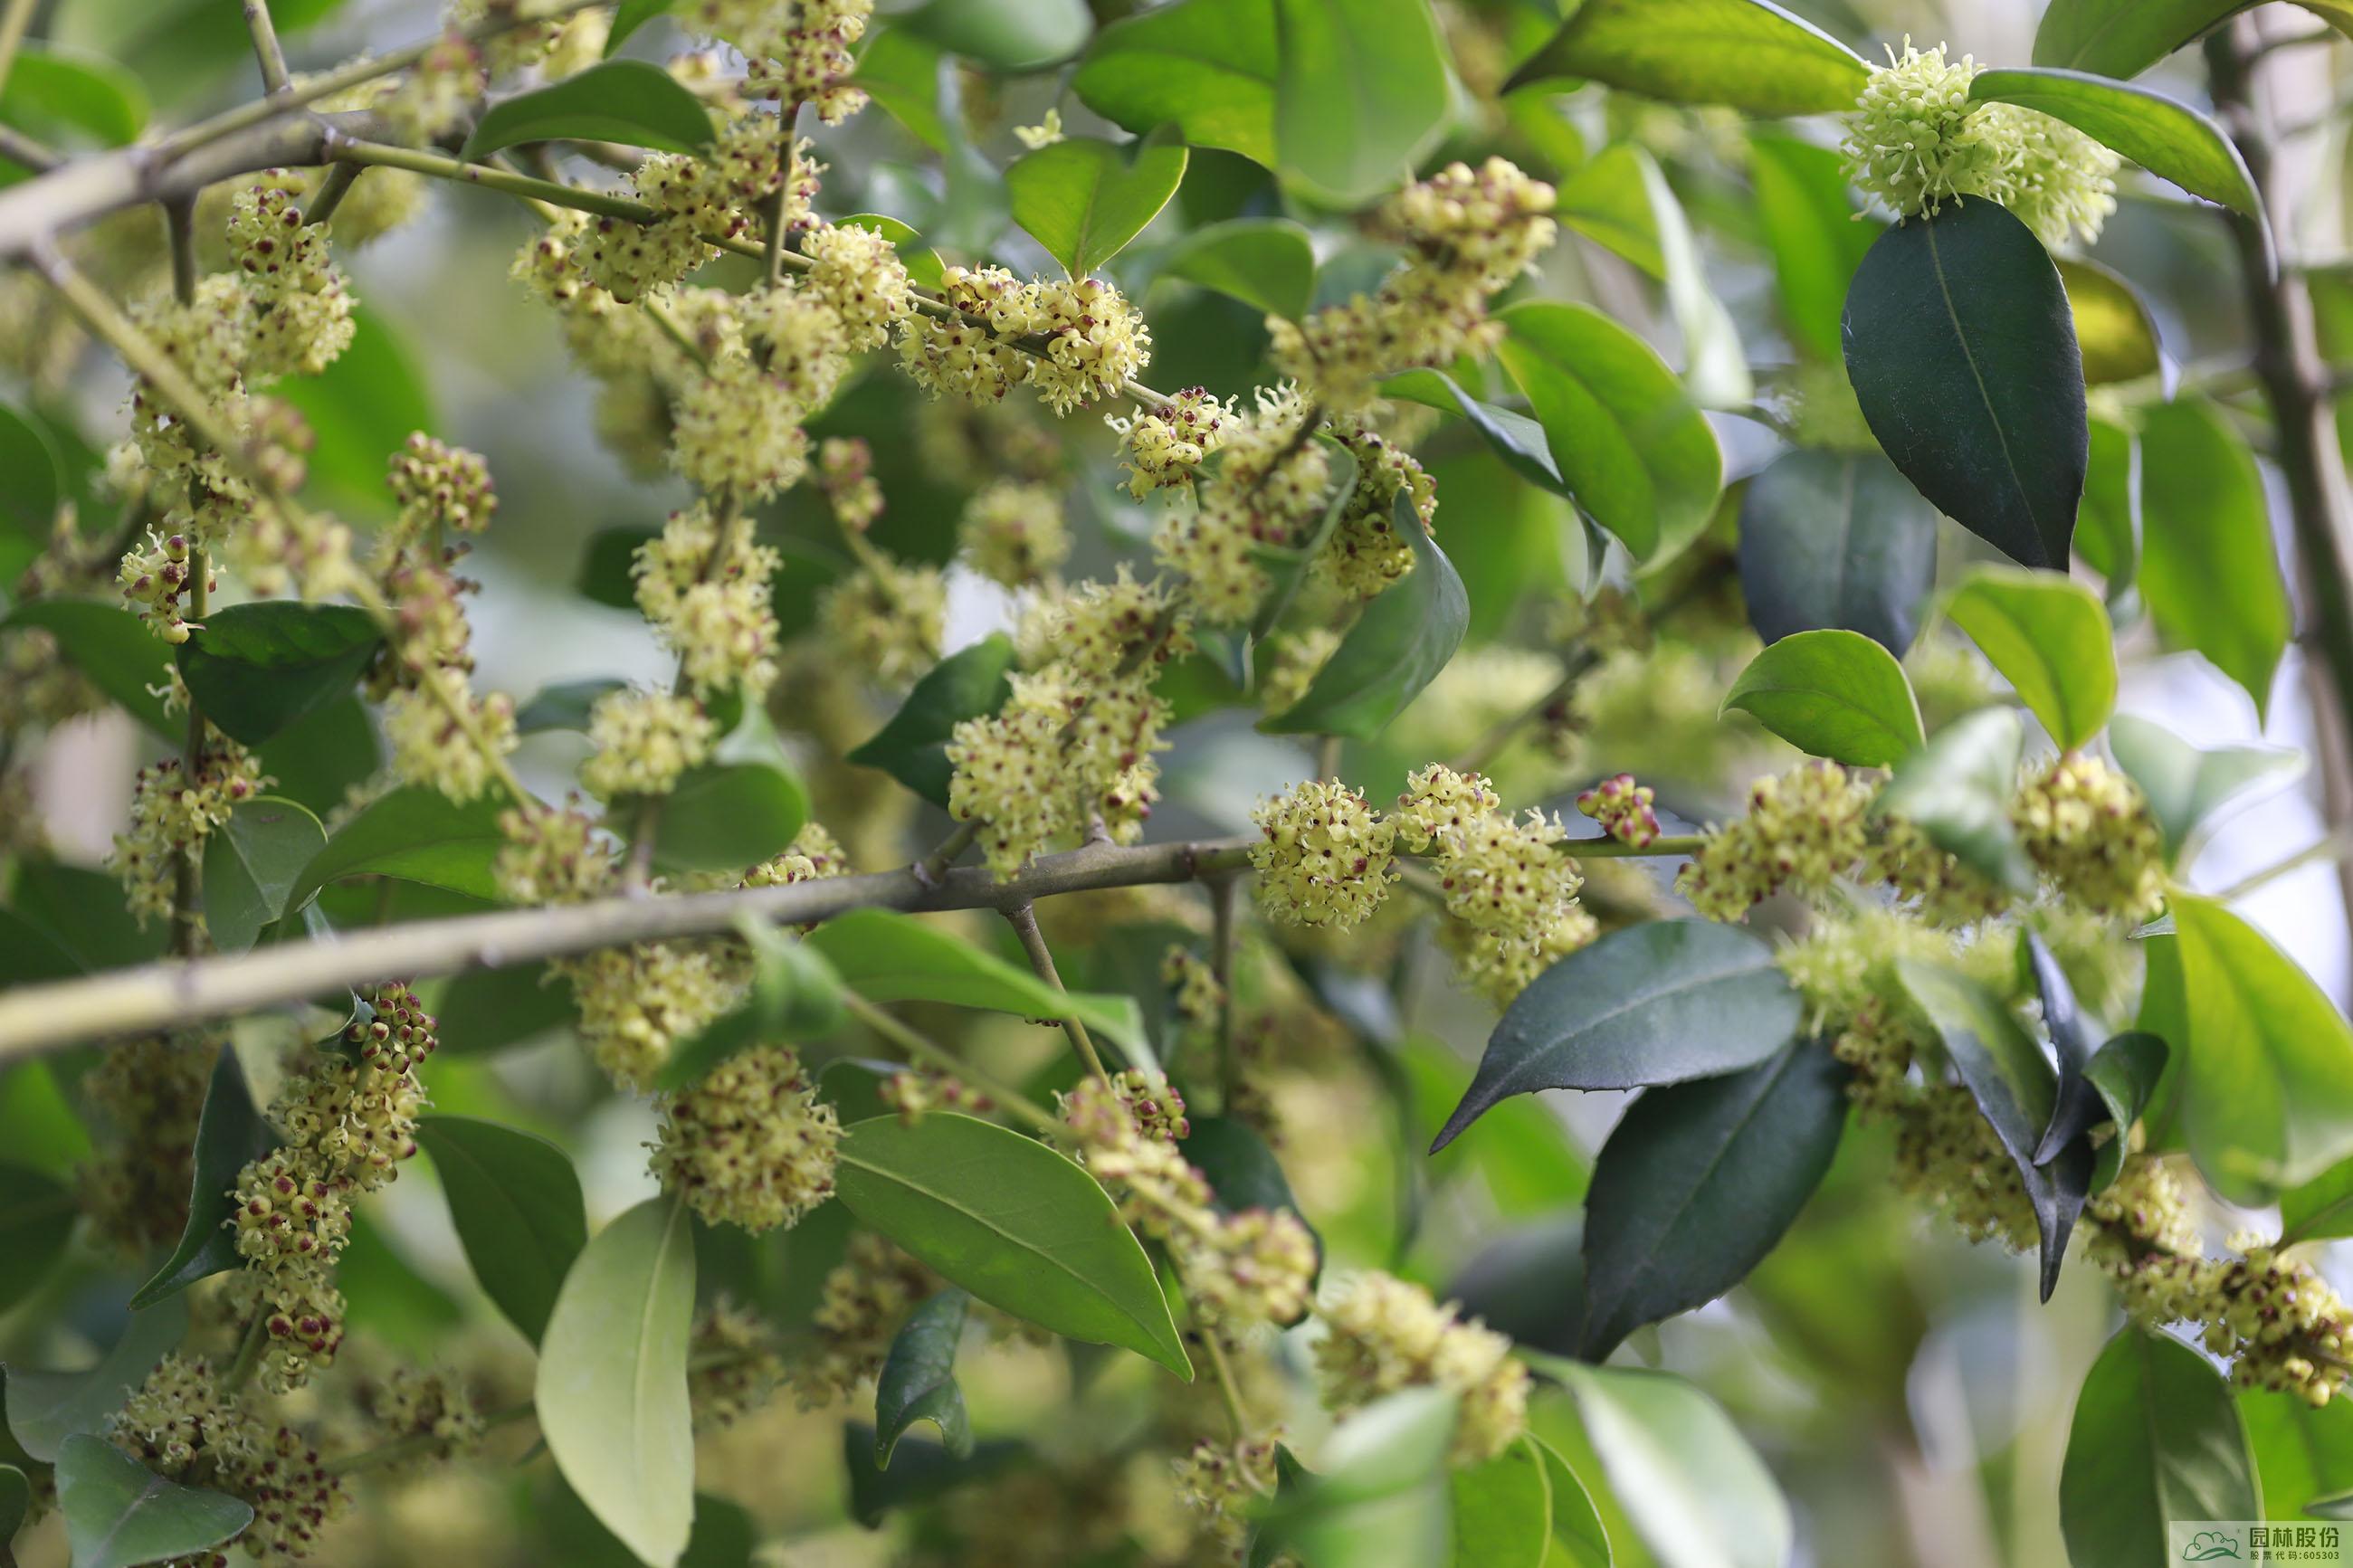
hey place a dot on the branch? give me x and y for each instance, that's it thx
(266, 49)
(14, 20)
(1041, 959)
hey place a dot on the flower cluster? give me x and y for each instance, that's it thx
(751, 1144)
(797, 53)
(2087, 827)
(1013, 534)
(1092, 340)
(300, 313)
(887, 618)
(552, 856)
(644, 741)
(1227, 1483)
(1508, 884)
(813, 853)
(704, 584)
(858, 272)
(181, 1425)
(1327, 859)
(175, 806)
(144, 1096)
(733, 1366)
(636, 1002)
(439, 487)
(1164, 446)
(1803, 830)
(1368, 553)
(866, 1297)
(1270, 485)
(1623, 808)
(1382, 1334)
(431, 1408)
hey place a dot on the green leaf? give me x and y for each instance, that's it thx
(1637, 454)
(231, 1134)
(413, 834)
(918, 1379)
(2114, 330)
(2108, 530)
(486, 1010)
(36, 1220)
(1743, 54)
(1360, 96)
(1834, 694)
(919, 1472)
(1012, 1222)
(611, 1390)
(2267, 1093)
(564, 705)
(1241, 1171)
(16, 1501)
(113, 647)
(256, 668)
(2122, 37)
(1578, 1539)
(45, 1409)
(2013, 1082)
(2208, 571)
(886, 956)
(795, 995)
(1692, 1486)
(118, 1514)
(1962, 350)
(1398, 646)
(251, 863)
(1836, 540)
(1606, 200)
(1267, 263)
(2078, 1107)
(315, 761)
(29, 508)
(1382, 1499)
(2168, 137)
(1503, 1509)
(628, 17)
(1807, 214)
(1207, 66)
(516, 1203)
(913, 747)
(627, 102)
(1288, 568)
(1010, 34)
(55, 87)
(1083, 199)
(1697, 1185)
(2304, 1455)
(724, 817)
(1528, 1284)
(1514, 437)
(2048, 636)
(2156, 1440)
(2186, 786)
(360, 412)
(1655, 1002)
(2125, 1073)
(1957, 789)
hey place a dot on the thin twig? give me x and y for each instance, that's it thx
(934, 865)
(19, 148)
(1225, 895)
(1024, 921)
(340, 178)
(919, 1044)
(2336, 844)
(14, 20)
(265, 48)
(179, 225)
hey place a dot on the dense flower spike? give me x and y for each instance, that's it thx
(302, 315)
(1384, 1334)
(1270, 485)
(439, 487)
(1803, 829)
(2087, 828)
(750, 1144)
(1164, 446)
(644, 741)
(1013, 533)
(1326, 859)
(733, 1366)
(174, 807)
(857, 273)
(144, 1096)
(635, 1002)
(183, 1426)
(705, 585)
(864, 1300)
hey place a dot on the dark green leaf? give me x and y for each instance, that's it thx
(1743, 54)
(1241, 1171)
(1014, 1223)
(251, 862)
(564, 705)
(256, 668)
(1656, 1003)
(2185, 785)
(1360, 94)
(611, 1392)
(28, 955)
(920, 1471)
(1689, 1484)
(36, 1219)
(2112, 328)
(231, 1134)
(1836, 540)
(46, 1408)
(1637, 454)
(1834, 694)
(2122, 37)
(1698, 1183)
(360, 412)
(2048, 636)
(1397, 647)
(1010, 34)
(1288, 568)
(627, 103)
(913, 747)
(1529, 1284)
(316, 760)
(795, 995)
(1083, 199)
(1503, 1509)
(2207, 569)
(1207, 66)
(1962, 352)
(113, 647)
(486, 1010)
(516, 1203)
(1957, 789)
(1517, 439)
(2156, 1440)
(2078, 1107)
(2125, 1074)
(1267, 263)
(414, 834)
(56, 88)
(1805, 207)
(29, 508)
(118, 1514)
(724, 817)
(918, 1379)
(2168, 137)
(84, 913)
(16, 1501)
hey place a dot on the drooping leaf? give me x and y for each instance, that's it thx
(1360, 94)
(1084, 199)
(113, 647)
(251, 864)
(2048, 636)
(1636, 453)
(1698, 1183)
(1578, 1538)
(918, 1379)
(1606, 200)
(1809, 218)
(414, 834)
(795, 995)
(256, 668)
(1267, 263)
(2114, 330)
(1503, 1509)
(2186, 786)
(1012, 1222)
(1398, 646)
(231, 1134)
(627, 103)
(1957, 789)
(1962, 352)
(628, 17)
(46, 1408)
(1834, 694)
(2163, 135)
(2156, 1440)
(1692, 1486)
(1010, 34)
(1513, 436)
(913, 747)
(1743, 54)
(2122, 38)
(1207, 66)
(118, 1514)
(611, 1389)
(515, 1199)
(1836, 540)
(1655, 1002)
(36, 1219)
(2014, 1086)
(2208, 570)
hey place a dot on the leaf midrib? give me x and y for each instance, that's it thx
(2000, 436)
(1649, 997)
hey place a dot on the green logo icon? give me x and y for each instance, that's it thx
(2211, 1546)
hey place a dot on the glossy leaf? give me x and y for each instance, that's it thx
(1084, 199)
(1241, 1171)
(414, 834)
(1012, 1222)
(1811, 227)
(45, 1409)
(118, 1514)
(913, 747)
(2163, 135)
(1636, 453)
(251, 863)
(1743, 54)
(2156, 1440)
(2267, 1090)
(36, 1220)
(231, 1134)
(1010, 34)
(1529, 1284)
(2122, 37)
(1513, 436)
(726, 815)
(2114, 330)
(1962, 352)
(113, 647)
(1656, 1003)
(515, 1199)
(627, 102)
(611, 1390)
(2078, 1107)
(2048, 636)
(2125, 1073)
(1207, 66)
(918, 1379)
(1694, 1490)
(2209, 569)
(316, 760)
(1606, 200)
(1267, 263)
(1834, 694)
(2185, 785)
(1503, 1509)
(1698, 1182)
(628, 17)
(795, 995)
(256, 668)
(2304, 1455)
(1836, 540)
(1397, 647)
(1360, 94)
(1957, 789)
